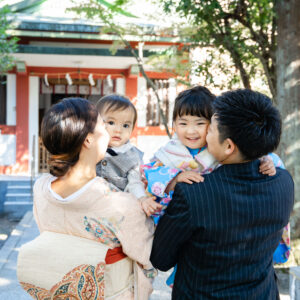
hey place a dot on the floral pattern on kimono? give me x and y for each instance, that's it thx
(83, 282)
(103, 229)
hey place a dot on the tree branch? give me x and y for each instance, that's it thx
(269, 74)
(236, 57)
(150, 82)
(142, 70)
(242, 17)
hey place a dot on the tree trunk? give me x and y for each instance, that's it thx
(288, 95)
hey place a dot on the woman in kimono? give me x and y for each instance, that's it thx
(95, 241)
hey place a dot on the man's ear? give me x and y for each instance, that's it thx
(88, 141)
(230, 146)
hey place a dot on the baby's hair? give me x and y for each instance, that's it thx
(115, 102)
(196, 101)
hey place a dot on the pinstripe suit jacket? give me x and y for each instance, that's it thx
(222, 233)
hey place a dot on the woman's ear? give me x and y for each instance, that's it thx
(88, 141)
(230, 146)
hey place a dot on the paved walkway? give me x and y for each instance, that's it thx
(25, 232)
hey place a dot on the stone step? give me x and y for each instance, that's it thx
(18, 186)
(18, 183)
(18, 197)
(17, 203)
(8, 203)
(16, 189)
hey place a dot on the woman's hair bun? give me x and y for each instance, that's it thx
(59, 165)
(64, 129)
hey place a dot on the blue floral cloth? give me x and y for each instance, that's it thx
(158, 178)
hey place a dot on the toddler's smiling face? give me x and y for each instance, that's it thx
(191, 130)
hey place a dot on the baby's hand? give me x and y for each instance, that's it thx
(189, 177)
(149, 205)
(267, 166)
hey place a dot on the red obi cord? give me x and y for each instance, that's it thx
(114, 255)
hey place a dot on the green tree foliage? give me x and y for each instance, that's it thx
(246, 29)
(108, 13)
(7, 45)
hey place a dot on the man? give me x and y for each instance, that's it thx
(223, 232)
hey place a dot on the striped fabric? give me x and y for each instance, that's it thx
(223, 232)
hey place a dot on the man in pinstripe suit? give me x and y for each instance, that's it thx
(222, 233)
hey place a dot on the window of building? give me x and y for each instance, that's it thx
(153, 115)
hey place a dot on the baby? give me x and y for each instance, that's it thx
(121, 165)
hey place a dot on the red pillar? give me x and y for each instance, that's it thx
(22, 123)
(131, 92)
(131, 87)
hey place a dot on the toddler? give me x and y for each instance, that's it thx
(121, 165)
(185, 157)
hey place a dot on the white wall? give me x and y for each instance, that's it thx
(150, 143)
(33, 125)
(120, 86)
(11, 100)
(7, 149)
(172, 95)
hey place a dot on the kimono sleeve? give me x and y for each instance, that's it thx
(278, 163)
(135, 185)
(135, 233)
(158, 177)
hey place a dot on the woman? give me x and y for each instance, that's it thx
(73, 208)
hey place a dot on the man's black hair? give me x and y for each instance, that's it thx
(250, 120)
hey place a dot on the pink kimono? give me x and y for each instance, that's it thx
(96, 212)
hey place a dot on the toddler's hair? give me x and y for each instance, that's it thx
(115, 102)
(196, 101)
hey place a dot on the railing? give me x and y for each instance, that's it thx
(43, 158)
(153, 116)
(33, 157)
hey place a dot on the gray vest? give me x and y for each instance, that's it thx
(115, 168)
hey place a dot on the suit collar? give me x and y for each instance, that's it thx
(243, 170)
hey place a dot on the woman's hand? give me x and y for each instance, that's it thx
(267, 166)
(149, 205)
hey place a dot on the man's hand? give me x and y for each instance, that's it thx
(189, 177)
(149, 205)
(267, 166)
